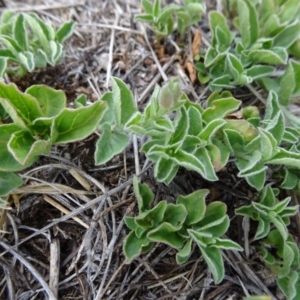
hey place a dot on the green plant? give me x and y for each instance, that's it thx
(269, 211)
(160, 18)
(163, 19)
(40, 119)
(284, 263)
(189, 14)
(179, 225)
(182, 133)
(266, 32)
(28, 42)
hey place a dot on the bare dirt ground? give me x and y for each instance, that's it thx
(65, 230)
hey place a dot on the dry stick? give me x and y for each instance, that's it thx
(155, 80)
(111, 48)
(16, 233)
(64, 210)
(151, 270)
(30, 267)
(102, 291)
(75, 212)
(44, 7)
(54, 265)
(160, 69)
(255, 93)
(113, 27)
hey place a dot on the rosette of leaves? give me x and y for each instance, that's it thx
(160, 18)
(179, 225)
(28, 42)
(267, 30)
(189, 14)
(193, 143)
(40, 119)
(284, 262)
(257, 145)
(163, 221)
(204, 225)
(269, 211)
(226, 67)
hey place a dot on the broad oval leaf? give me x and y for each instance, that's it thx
(22, 108)
(124, 106)
(8, 182)
(195, 206)
(133, 245)
(74, 124)
(109, 144)
(51, 101)
(167, 234)
(26, 149)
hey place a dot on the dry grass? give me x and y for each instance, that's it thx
(62, 239)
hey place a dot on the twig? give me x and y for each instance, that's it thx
(54, 265)
(160, 69)
(155, 80)
(30, 267)
(111, 48)
(113, 27)
(45, 7)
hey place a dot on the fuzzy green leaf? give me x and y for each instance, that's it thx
(175, 214)
(183, 255)
(124, 106)
(51, 101)
(8, 182)
(248, 22)
(21, 107)
(220, 109)
(195, 206)
(218, 20)
(213, 258)
(109, 144)
(289, 82)
(152, 217)
(227, 245)
(75, 124)
(7, 162)
(65, 31)
(143, 194)
(20, 34)
(274, 56)
(26, 149)
(133, 245)
(167, 234)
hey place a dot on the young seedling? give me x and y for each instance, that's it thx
(28, 42)
(40, 119)
(179, 225)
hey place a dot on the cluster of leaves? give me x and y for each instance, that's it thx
(40, 119)
(182, 133)
(267, 31)
(27, 42)
(179, 225)
(285, 263)
(163, 19)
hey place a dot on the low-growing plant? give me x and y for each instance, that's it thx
(163, 19)
(28, 43)
(39, 119)
(269, 211)
(179, 225)
(266, 33)
(284, 262)
(182, 133)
